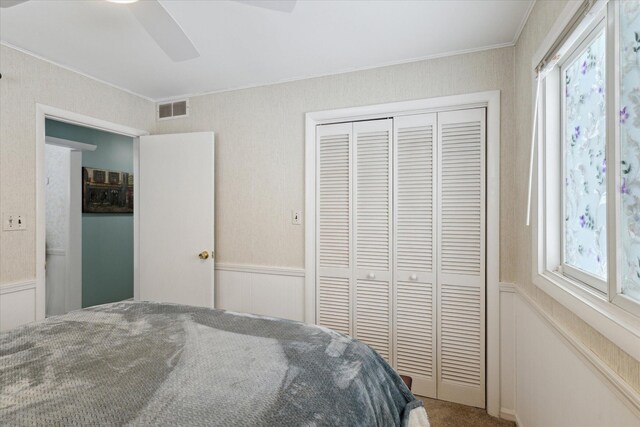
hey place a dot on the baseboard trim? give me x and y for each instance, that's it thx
(508, 414)
(261, 269)
(629, 396)
(517, 420)
(16, 287)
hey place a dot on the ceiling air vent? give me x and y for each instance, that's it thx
(172, 110)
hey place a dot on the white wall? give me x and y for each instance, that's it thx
(555, 385)
(275, 292)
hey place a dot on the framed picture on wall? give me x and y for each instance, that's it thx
(105, 191)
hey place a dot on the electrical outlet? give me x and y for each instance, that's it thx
(13, 222)
(296, 217)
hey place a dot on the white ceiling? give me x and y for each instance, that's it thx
(242, 45)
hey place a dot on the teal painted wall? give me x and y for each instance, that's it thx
(107, 239)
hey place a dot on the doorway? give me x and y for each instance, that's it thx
(89, 217)
(46, 113)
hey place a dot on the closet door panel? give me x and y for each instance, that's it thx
(334, 230)
(414, 278)
(372, 210)
(461, 260)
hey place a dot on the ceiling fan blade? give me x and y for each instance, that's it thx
(164, 30)
(9, 3)
(279, 5)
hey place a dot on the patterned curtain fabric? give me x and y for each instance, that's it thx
(585, 165)
(630, 147)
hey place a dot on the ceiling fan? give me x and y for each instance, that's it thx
(166, 32)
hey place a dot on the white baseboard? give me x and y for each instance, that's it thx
(269, 291)
(517, 420)
(17, 304)
(508, 414)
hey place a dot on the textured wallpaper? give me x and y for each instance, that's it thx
(260, 146)
(26, 81)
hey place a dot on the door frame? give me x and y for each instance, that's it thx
(73, 254)
(489, 100)
(44, 112)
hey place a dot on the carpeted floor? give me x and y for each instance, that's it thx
(447, 414)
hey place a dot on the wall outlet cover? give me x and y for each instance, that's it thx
(14, 222)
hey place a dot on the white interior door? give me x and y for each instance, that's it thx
(176, 218)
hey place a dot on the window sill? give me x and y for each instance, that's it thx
(619, 326)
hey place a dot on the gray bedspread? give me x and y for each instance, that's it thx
(162, 364)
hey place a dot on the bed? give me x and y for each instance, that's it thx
(140, 363)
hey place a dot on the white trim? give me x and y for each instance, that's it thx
(508, 414)
(345, 71)
(507, 287)
(136, 218)
(42, 113)
(523, 22)
(626, 393)
(74, 145)
(556, 30)
(261, 269)
(489, 99)
(615, 323)
(56, 252)
(17, 287)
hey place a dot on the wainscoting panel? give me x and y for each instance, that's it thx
(507, 352)
(558, 383)
(17, 305)
(269, 291)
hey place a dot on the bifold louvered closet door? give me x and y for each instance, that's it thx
(372, 211)
(415, 278)
(461, 256)
(334, 227)
(400, 244)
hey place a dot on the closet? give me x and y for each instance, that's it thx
(400, 235)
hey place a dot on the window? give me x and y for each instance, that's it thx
(589, 156)
(629, 139)
(584, 162)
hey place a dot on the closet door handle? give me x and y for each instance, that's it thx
(413, 277)
(371, 276)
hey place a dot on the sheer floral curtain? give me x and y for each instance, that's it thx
(629, 117)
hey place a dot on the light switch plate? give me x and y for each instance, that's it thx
(296, 217)
(13, 222)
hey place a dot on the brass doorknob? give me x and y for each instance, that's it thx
(203, 255)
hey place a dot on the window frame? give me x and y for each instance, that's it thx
(611, 313)
(590, 34)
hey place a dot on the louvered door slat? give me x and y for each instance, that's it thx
(372, 210)
(414, 218)
(461, 265)
(334, 262)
